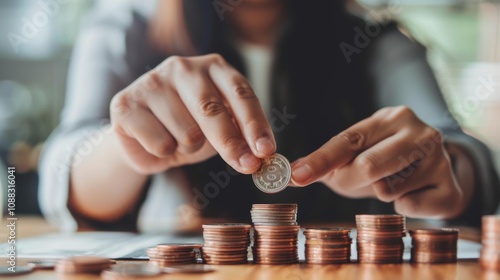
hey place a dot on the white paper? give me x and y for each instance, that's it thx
(107, 244)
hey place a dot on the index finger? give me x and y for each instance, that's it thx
(339, 150)
(206, 106)
(245, 108)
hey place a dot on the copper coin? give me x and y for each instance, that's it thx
(180, 256)
(177, 246)
(275, 206)
(225, 252)
(217, 262)
(226, 226)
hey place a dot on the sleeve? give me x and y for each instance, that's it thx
(97, 71)
(402, 76)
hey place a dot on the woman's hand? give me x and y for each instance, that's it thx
(392, 156)
(188, 109)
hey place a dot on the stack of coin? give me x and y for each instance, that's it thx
(327, 245)
(275, 233)
(173, 253)
(380, 238)
(83, 264)
(434, 245)
(490, 253)
(274, 214)
(226, 243)
(275, 244)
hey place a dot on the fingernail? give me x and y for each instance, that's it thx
(264, 145)
(249, 160)
(302, 173)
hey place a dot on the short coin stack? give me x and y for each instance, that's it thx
(83, 264)
(379, 238)
(226, 243)
(434, 245)
(327, 245)
(490, 253)
(173, 253)
(275, 233)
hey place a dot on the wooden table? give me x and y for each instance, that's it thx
(464, 269)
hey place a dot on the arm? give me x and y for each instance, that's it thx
(73, 180)
(92, 183)
(183, 111)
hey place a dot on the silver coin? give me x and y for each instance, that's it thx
(274, 174)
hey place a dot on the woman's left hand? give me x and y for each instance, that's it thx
(395, 157)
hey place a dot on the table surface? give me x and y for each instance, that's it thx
(461, 270)
(464, 269)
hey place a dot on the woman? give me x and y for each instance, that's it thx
(366, 132)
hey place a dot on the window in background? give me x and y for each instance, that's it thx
(34, 59)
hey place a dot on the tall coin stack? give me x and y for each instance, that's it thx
(226, 243)
(434, 245)
(380, 238)
(327, 245)
(275, 233)
(490, 253)
(173, 253)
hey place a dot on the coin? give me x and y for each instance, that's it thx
(327, 245)
(275, 233)
(170, 247)
(489, 257)
(173, 253)
(284, 214)
(83, 264)
(434, 245)
(273, 175)
(379, 238)
(275, 206)
(226, 243)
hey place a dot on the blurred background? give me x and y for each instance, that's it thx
(462, 37)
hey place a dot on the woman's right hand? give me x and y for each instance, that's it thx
(188, 109)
